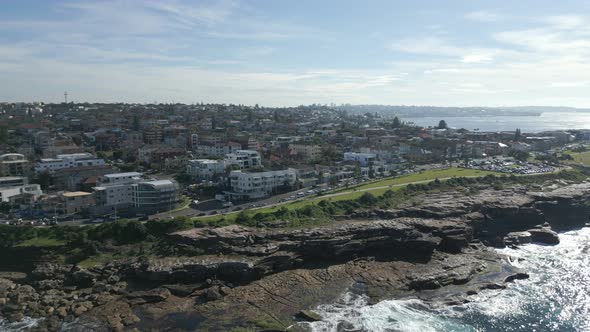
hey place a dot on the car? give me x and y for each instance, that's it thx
(97, 220)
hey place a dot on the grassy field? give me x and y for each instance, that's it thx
(579, 158)
(376, 188)
(41, 242)
(425, 176)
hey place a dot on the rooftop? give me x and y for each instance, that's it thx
(75, 194)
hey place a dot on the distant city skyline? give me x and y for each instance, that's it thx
(286, 53)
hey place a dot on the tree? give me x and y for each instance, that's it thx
(44, 179)
(396, 122)
(517, 135)
(519, 155)
(136, 122)
(442, 124)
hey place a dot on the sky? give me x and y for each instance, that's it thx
(286, 53)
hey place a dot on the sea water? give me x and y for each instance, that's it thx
(556, 297)
(547, 121)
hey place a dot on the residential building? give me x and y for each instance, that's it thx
(23, 193)
(246, 185)
(155, 196)
(205, 169)
(245, 159)
(114, 190)
(307, 152)
(13, 164)
(363, 159)
(151, 154)
(63, 161)
(12, 181)
(73, 202)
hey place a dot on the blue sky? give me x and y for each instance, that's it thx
(274, 52)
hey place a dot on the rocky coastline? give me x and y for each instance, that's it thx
(437, 247)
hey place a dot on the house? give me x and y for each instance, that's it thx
(74, 202)
(308, 152)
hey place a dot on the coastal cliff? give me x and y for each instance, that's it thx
(436, 247)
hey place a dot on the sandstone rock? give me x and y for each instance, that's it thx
(150, 296)
(62, 312)
(213, 294)
(309, 316)
(544, 235)
(517, 238)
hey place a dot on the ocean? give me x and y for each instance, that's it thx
(530, 124)
(556, 297)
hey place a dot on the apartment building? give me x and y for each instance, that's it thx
(245, 159)
(13, 164)
(63, 161)
(252, 185)
(205, 169)
(155, 196)
(363, 159)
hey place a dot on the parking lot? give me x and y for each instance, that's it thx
(508, 166)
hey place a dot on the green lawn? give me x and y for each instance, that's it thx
(41, 242)
(425, 176)
(375, 188)
(579, 158)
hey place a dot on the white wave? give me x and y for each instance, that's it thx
(24, 325)
(555, 298)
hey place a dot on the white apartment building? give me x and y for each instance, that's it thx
(116, 189)
(12, 181)
(245, 159)
(10, 194)
(205, 169)
(364, 159)
(63, 161)
(259, 184)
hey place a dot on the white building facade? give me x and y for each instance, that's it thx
(245, 159)
(205, 169)
(254, 185)
(63, 161)
(364, 159)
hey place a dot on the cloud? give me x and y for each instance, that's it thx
(477, 58)
(438, 47)
(569, 84)
(484, 16)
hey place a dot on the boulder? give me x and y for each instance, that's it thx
(516, 276)
(544, 235)
(150, 296)
(308, 316)
(517, 238)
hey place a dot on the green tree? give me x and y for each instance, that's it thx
(396, 122)
(442, 124)
(517, 134)
(44, 179)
